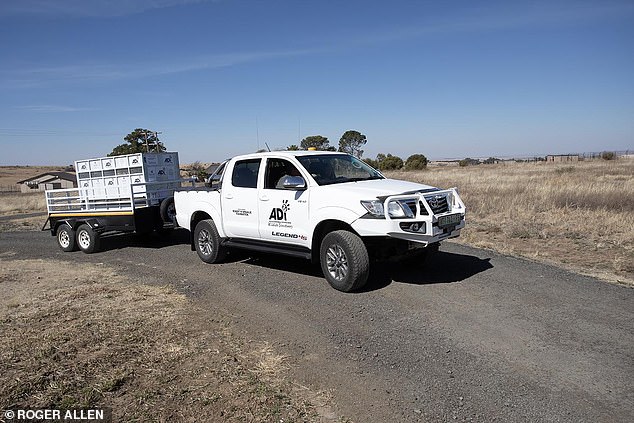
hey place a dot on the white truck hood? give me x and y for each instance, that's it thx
(370, 190)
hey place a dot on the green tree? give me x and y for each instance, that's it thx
(293, 147)
(372, 163)
(139, 141)
(351, 143)
(416, 162)
(390, 162)
(317, 141)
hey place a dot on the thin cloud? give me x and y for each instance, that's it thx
(86, 8)
(482, 20)
(33, 77)
(52, 108)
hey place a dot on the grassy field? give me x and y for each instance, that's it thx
(88, 337)
(577, 215)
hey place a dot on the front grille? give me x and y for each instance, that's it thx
(437, 203)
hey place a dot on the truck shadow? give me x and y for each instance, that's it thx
(118, 241)
(441, 267)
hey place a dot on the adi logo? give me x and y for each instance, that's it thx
(279, 213)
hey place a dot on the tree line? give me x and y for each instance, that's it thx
(351, 142)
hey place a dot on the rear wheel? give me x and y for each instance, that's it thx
(344, 261)
(207, 242)
(87, 239)
(168, 210)
(66, 238)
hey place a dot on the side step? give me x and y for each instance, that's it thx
(268, 247)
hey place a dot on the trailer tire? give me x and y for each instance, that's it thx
(87, 239)
(207, 242)
(66, 240)
(344, 261)
(168, 210)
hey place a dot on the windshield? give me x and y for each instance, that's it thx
(337, 168)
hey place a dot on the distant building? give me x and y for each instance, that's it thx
(49, 180)
(562, 158)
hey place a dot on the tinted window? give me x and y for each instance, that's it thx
(245, 173)
(276, 169)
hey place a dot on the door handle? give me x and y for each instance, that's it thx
(264, 198)
(229, 196)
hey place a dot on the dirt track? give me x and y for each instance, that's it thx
(472, 335)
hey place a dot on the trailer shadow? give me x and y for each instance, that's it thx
(441, 267)
(118, 241)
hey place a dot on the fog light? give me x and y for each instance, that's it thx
(413, 226)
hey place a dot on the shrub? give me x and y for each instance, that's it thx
(468, 162)
(390, 162)
(416, 162)
(608, 155)
(372, 163)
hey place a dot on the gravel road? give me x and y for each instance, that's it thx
(468, 336)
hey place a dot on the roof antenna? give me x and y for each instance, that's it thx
(267, 147)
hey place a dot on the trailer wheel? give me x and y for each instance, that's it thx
(168, 210)
(66, 238)
(87, 239)
(344, 261)
(207, 242)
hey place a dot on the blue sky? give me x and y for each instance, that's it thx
(448, 79)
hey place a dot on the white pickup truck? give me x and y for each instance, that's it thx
(323, 206)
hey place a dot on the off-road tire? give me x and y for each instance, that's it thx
(87, 239)
(207, 242)
(66, 240)
(167, 210)
(344, 261)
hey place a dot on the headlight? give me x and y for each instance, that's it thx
(397, 210)
(374, 207)
(394, 208)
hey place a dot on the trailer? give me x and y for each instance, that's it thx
(128, 193)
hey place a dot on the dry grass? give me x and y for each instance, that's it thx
(86, 337)
(16, 203)
(580, 216)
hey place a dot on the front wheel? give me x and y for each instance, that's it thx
(87, 239)
(207, 242)
(344, 261)
(66, 238)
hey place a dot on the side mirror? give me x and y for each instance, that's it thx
(294, 183)
(213, 179)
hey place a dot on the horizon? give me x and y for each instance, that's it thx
(627, 154)
(219, 78)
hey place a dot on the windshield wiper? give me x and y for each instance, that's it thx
(363, 179)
